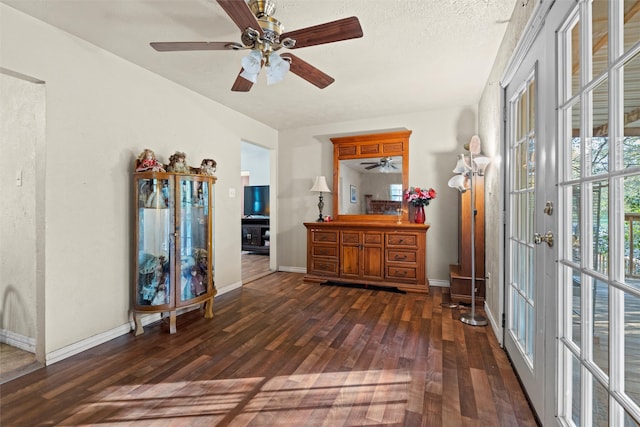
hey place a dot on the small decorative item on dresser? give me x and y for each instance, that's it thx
(419, 198)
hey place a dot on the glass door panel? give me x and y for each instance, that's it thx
(194, 237)
(154, 286)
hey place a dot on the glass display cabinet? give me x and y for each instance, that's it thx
(173, 245)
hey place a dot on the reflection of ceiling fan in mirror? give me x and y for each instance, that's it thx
(385, 164)
(264, 35)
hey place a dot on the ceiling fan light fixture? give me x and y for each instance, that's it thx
(252, 77)
(252, 63)
(277, 69)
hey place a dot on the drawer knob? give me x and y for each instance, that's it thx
(401, 257)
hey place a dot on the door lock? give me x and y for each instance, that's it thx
(548, 208)
(537, 238)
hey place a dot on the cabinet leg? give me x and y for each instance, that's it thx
(208, 308)
(138, 322)
(172, 322)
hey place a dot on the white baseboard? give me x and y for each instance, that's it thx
(228, 288)
(292, 269)
(18, 341)
(439, 283)
(495, 325)
(86, 344)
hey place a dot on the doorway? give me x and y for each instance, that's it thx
(22, 132)
(256, 200)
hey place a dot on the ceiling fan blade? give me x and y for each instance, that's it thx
(372, 167)
(240, 14)
(185, 46)
(308, 72)
(241, 84)
(335, 31)
(369, 163)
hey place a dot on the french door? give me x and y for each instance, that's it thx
(530, 221)
(598, 105)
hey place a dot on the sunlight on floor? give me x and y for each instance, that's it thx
(381, 395)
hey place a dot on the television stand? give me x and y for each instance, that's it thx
(256, 235)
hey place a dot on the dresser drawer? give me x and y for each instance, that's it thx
(402, 273)
(329, 236)
(395, 255)
(351, 237)
(324, 251)
(323, 267)
(400, 239)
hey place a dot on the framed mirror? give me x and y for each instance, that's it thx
(370, 173)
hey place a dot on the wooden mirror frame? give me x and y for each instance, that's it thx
(368, 147)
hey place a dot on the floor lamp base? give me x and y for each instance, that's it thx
(473, 319)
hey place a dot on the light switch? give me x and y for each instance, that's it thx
(232, 193)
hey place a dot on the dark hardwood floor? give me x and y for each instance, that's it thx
(280, 352)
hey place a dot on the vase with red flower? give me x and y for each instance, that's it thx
(419, 198)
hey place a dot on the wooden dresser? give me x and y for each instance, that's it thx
(380, 254)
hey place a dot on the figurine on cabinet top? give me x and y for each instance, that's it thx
(147, 162)
(178, 163)
(208, 167)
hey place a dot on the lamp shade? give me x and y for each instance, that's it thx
(252, 77)
(481, 163)
(461, 165)
(277, 69)
(458, 182)
(474, 145)
(252, 63)
(320, 185)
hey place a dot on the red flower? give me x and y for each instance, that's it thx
(419, 197)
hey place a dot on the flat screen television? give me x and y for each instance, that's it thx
(256, 200)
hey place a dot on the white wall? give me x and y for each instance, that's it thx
(255, 160)
(438, 136)
(101, 112)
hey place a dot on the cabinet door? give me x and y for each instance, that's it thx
(154, 232)
(350, 261)
(373, 255)
(362, 255)
(193, 229)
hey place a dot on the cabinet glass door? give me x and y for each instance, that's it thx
(194, 233)
(154, 285)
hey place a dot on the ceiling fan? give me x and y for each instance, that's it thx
(385, 163)
(264, 36)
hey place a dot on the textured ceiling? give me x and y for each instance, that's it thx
(415, 54)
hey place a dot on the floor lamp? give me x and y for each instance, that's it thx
(466, 173)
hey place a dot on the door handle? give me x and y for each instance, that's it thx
(537, 238)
